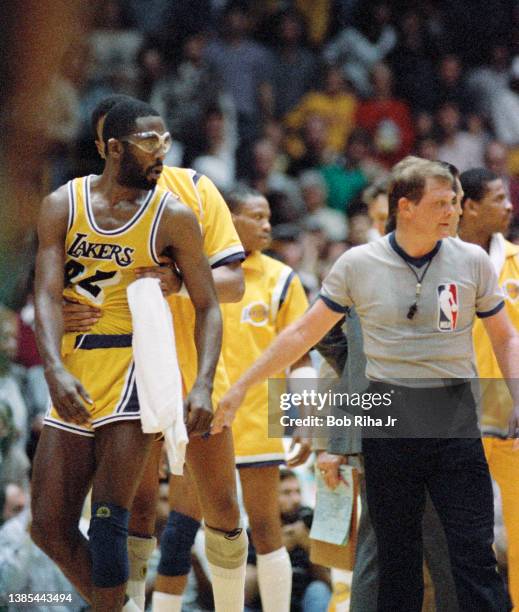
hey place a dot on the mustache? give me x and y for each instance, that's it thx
(159, 166)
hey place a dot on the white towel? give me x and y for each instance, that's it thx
(159, 385)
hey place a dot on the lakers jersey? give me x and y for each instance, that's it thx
(221, 246)
(495, 396)
(274, 298)
(100, 263)
(99, 266)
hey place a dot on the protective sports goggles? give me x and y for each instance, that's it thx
(151, 142)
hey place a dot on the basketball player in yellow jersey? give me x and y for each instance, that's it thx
(99, 229)
(212, 459)
(274, 298)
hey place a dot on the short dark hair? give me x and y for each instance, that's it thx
(104, 107)
(237, 197)
(285, 474)
(474, 183)
(120, 121)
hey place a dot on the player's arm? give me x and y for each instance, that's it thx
(221, 243)
(180, 233)
(65, 390)
(505, 343)
(229, 282)
(294, 307)
(291, 344)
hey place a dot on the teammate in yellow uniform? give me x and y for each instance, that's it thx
(273, 299)
(487, 212)
(99, 229)
(215, 477)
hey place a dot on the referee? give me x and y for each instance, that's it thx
(417, 292)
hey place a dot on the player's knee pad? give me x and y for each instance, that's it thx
(108, 533)
(139, 553)
(175, 544)
(226, 549)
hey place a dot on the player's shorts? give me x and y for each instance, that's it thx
(252, 445)
(103, 363)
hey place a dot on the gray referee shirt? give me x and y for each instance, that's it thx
(436, 343)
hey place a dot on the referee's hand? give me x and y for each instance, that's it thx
(227, 408)
(330, 465)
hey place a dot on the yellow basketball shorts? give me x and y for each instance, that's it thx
(252, 445)
(103, 363)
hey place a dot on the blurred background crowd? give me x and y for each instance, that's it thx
(308, 101)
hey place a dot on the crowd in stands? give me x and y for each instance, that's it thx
(308, 102)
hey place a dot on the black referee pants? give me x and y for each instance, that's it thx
(456, 475)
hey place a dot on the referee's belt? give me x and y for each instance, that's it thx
(100, 341)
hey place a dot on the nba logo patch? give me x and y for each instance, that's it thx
(447, 307)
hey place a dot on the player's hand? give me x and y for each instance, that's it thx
(513, 427)
(329, 466)
(227, 408)
(303, 449)
(79, 317)
(68, 396)
(170, 279)
(198, 411)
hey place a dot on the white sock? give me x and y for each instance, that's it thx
(139, 552)
(165, 602)
(275, 580)
(228, 588)
(130, 606)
